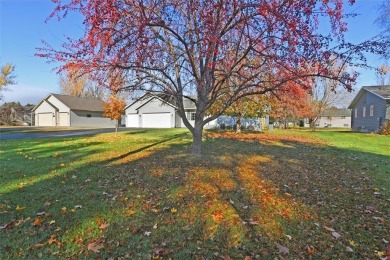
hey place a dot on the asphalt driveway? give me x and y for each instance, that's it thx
(30, 132)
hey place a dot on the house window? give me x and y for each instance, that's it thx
(356, 113)
(372, 110)
(191, 116)
(346, 125)
(364, 111)
(89, 115)
(342, 117)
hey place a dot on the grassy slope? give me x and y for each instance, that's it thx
(371, 150)
(142, 195)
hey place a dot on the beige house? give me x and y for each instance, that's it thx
(335, 118)
(64, 110)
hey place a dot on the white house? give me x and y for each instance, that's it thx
(64, 110)
(335, 118)
(159, 111)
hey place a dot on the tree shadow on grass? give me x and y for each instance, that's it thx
(241, 199)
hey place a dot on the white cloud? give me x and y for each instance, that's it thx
(24, 94)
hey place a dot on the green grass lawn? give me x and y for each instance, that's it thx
(141, 195)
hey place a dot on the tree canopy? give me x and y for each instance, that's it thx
(214, 49)
(7, 77)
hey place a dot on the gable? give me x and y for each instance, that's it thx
(44, 107)
(382, 92)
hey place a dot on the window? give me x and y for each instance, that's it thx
(191, 116)
(355, 112)
(372, 110)
(346, 125)
(364, 111)
(89, 115)
(342, 117)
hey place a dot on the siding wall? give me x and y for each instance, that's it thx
(43, 108)
(58, 104)
(334, 121)
(79, 118)
(369, 123)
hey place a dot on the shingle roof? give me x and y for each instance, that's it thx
(78, 103)
(383, 91)
(337, 112)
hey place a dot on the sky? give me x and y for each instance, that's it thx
(23, 26)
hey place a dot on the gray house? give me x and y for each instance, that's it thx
(64, 110)
(159, 111)
(370, 108)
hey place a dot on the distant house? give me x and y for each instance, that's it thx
(159, 111)
(370, 108)
(335, 118)
(64, 110)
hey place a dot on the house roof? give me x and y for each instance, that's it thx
(79, 103)
(382, 91)
(337, 112)
(188, 104)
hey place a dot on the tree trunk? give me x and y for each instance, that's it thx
(197, 139)
(238, 123)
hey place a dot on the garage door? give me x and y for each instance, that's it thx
(158, 120)
(132, 120)
(45, 119)
(63, 119)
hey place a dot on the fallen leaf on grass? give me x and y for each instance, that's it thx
(19, 208)
(282, 250)
(95, 246)
(329, 229)
(8, 225)
(37, 222)
(349, 249)
(336, 235)
(52, 240)
(104, 226)
(310, 250)
(147, 233)
(36, 246)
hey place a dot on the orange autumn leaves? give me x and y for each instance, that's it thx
(113, 107)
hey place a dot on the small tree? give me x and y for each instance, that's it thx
(7, 77)
(113, 108)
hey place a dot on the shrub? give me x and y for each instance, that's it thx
(385, 129)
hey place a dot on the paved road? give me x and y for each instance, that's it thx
(24, 135)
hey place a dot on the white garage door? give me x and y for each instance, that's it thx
(132, 120)
(45, 119)
(63, 119)
(158, 120)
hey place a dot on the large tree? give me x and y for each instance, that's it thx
(211, 48)
(7, 77)
(75, 83)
